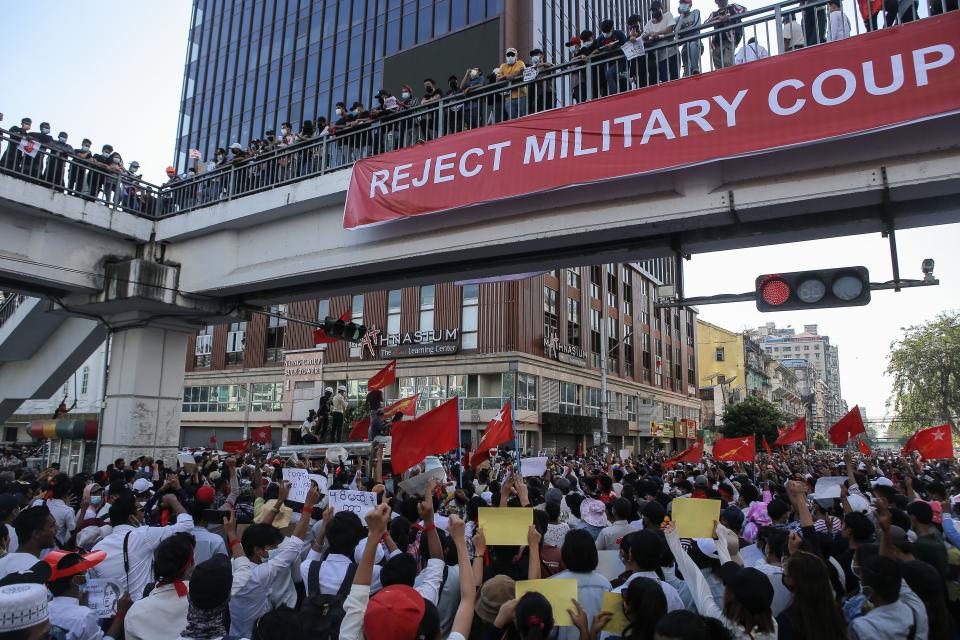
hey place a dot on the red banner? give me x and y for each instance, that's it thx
(877, 80)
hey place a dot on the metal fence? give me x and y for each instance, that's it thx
(9, 305)
(701, 48)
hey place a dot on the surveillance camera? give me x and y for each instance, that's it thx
(927, 266)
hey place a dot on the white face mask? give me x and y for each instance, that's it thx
(511, 59)
(95, 500)
(339, 112)
(684, 7)
(587, 43)
(535, 59)
(405, 95)
(474, 74)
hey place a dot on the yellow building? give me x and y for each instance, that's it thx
(720, 358)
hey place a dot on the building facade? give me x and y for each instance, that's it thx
(534, 342)
(732, 361)
(253, 64)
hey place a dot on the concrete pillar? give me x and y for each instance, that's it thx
(142, 412)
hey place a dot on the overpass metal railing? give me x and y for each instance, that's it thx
(9, 305)
(28, 159)
(700, 49)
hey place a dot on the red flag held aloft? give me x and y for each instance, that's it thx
(406, 406)
(436, 431)
(499, 430)
(360, 429)
(693, 453)
(235, 446)
(847, 427)
(864, 447)
(933, 443)
(734, 449)
(766, 445)
(383, 378)
(797, 432)
(320, 335)
(261, 435)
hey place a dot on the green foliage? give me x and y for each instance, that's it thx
(355, 412)
(820, 441)
(753, 416)
(925, 367)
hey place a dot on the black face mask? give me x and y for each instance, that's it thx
(453, 84)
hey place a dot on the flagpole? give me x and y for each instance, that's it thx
(459, 442)
(516, 440)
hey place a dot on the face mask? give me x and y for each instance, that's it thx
(357, 111)
(684, 7)
(117, 160)
(86, 147)
(535, 59)
(607, 33)
(218, 157)
(62, 139)
(511, 59)
(285, 132)
(474, 74)
(405, 95)
(339, 112)
(96, 500)
(272, 553)
(587, 43)
(44, 130)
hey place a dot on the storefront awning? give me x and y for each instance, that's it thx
(65, 429)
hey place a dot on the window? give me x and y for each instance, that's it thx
(573, 322)
(323, 310)
(627, 298)
(85, 380)
(551, 320)
(632, 408)
(356, 316)
(595, 346)
(628, 368)
(204, 347)
(235, 341)
(611, 286)
(215, 398)
(806, 347)
(613, 339)
(432, 390)
(527, 392)
(266, 396)
(691, 370)
(595, 275)
(276, 334)
(592, 406)
(573, 278)
(718, 355)
(645, 343)
(393, 312)
(469, 316)
(644, 304)
(427, 297)
(569, 398)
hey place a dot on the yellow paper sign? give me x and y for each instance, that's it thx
(694, 517)
(506, 525)
(613, 602)
(559, 593)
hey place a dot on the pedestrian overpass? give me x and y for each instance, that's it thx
(154, 263)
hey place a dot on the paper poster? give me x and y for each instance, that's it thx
(694, 517)
(610, 565)
(633, 49)
(613, 602)
(828, 487)
(29, 147)
(624, 454)
(299, 481)
(102, 596)
(559, 593)
(533, 467)
(320, 480)
(359, 502)
(187, 461)
(529, 73)
(505, 525)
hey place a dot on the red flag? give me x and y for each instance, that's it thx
(734, 449)
(320, 335)
(406, 406)
(235, 446)
(499, 430)
(693, 453)
(261, 435)
(213, 439)
(864, 447)
(436, 431)
(794, 433)
(848, 427)
(465, 460)
(360, 429)
(908, 445)
(383, 378)
(933, 443)
(766, 445)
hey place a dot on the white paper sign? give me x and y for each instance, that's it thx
(529, 73)
(633, 49)
(29, 147)
(102, 596)
(828, 487)
(624, 454)
(320, 480)
(390, 103)
(359, 502)
(299, 481)
(187, 461)
(531, 467)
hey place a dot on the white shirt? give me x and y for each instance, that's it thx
(14, 562)
(794, 34)
(250, 601)
(63, 514)
(13, 542)
(142, 543)
(332, 572)
(781, 595)
(674, 603)
(162, 615)
(78, 621)
(839, 26)
(750, 52)
(339, 403)
(208, 545)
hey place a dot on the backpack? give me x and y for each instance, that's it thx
(321, 614)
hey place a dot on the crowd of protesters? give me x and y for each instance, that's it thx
(673, 46)
(215, 549)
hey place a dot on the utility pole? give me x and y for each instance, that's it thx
(603, 357)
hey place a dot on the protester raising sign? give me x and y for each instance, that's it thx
(359, 502)
(299, 481)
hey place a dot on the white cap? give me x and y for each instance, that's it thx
(328, 390)
(22, 606)
(882, 481)
(141, 485)
(858, 503)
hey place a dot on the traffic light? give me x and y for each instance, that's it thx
(818, 289)
(343, 330)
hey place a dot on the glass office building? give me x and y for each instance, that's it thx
(252, 64)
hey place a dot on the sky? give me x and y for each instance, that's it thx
(112, 71)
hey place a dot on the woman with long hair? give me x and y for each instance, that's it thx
(813, 613)
(644, 605)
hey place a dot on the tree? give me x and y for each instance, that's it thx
(925, 367)
(753, 416)
(820, 441)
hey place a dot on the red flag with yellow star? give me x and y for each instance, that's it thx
(734, 449)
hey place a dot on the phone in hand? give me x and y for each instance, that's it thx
(216, 515)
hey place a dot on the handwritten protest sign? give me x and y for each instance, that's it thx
(558, 592)
(613, 602)
(529, 73)
(533, 467)
(828, 487)
(505, 525)
(320, 480)
(359, 502)
(187, 461)
(299, 481)
(695, 517)
(102, 596)
(633, 49)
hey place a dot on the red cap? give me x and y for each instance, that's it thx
(573, 41)
(206, 494)
(399, 604)
(87, 560)
(171, 170)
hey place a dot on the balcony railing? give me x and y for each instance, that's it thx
(700, 49)
(9, 306)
